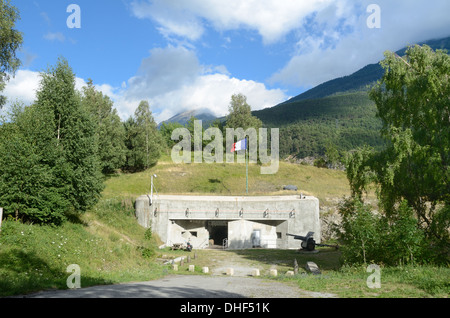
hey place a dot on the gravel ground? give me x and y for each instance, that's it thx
(188, 286)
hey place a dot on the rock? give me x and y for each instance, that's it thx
(290, 188)
(313, 268)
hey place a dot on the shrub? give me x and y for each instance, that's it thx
(320, 163)
(368, 237)
(358, 232)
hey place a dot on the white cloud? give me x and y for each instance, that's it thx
(173, 80)
(403, 22)
(163, 71)
(22, 87)
(56, 36)
(214, 91)
(189, 18)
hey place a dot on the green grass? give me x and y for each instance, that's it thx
(395, 282)
(229, 179)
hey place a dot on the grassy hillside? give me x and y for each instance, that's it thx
(229, 179)
(310, 127)
(106, 242)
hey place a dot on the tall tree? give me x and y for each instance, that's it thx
(143, 139)
(240, 114)
(10, 42)
(74, 132)
(29, 164)
(48, 153)
(110, 131)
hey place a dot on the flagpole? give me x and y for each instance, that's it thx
(246, 162)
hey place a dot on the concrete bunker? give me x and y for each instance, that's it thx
(229, 222)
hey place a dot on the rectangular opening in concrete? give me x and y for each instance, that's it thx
(218, 232)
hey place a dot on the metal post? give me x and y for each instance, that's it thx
(151, 191)
(151, 188)
(246, 162)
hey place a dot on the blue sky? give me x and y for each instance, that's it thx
(187, 54)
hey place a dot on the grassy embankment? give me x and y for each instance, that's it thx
(110, 247)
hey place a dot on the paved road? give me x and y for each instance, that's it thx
(185, 286)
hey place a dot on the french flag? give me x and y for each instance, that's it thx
(240, 145)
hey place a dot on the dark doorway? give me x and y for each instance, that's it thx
(218, 231)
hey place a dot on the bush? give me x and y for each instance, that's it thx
(358, 232)
(148, 234)
(367, 237)
(320, 163)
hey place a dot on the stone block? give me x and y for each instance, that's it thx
(205, 270)
(273, 272)
(290, 273)
(191, 268)
(255, 272)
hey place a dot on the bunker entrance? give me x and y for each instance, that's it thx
(218, 232)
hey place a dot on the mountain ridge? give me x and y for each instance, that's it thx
(360, 79)
(182, 118)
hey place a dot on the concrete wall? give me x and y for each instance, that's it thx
(176, 218)
(243, 234)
